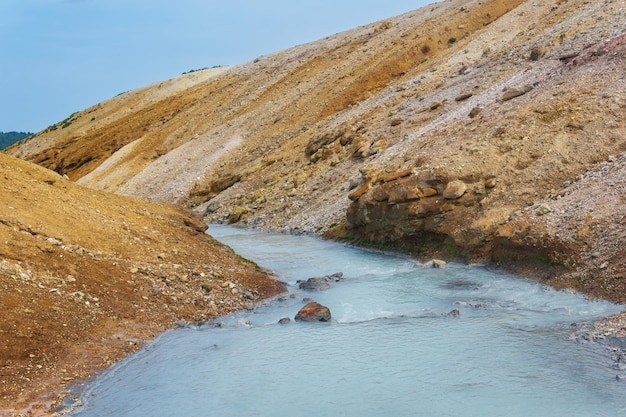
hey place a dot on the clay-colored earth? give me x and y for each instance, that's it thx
(471, 130)
(86, 277)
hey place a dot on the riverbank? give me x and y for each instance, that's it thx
(72, 304)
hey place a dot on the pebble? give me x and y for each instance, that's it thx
(544, 209)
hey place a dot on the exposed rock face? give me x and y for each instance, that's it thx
(409, 205)
(313, 312)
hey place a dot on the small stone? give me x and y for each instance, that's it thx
(435, 105)
(284, 320)
(455, 189)
(134, 270)
(511, 93)
(537, 53)
(544, 209)
(474, 112)
(454, 313)
(435, 263)
(490, 183)
(464, 96)
(429, 192)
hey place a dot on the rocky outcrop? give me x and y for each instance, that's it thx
(313, 312)
(410, 202)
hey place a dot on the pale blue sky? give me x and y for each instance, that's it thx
(61, 56)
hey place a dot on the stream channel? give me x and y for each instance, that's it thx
(391, 348)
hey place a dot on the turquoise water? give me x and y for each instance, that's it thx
(391, 348)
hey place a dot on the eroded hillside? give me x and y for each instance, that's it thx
(86, 277)
(456, 130)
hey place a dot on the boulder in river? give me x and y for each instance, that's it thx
(315, 284)
(319, 284)
(313, 312)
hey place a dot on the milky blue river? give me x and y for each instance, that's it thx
(391, 348)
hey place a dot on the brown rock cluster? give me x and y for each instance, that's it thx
(409, 202)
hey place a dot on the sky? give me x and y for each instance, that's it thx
(62, 56)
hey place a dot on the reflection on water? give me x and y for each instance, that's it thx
(391, 348)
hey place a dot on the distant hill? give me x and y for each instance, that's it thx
(9, 138)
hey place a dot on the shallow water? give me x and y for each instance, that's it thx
(390, 349)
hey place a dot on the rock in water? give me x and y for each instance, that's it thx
(435, 263)
(319, 284)
(313, 312)
(315, 284)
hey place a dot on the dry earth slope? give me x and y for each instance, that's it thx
(458, 129)
(479, 130)
(87, 276)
